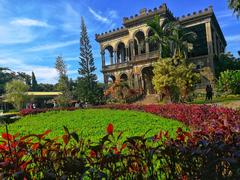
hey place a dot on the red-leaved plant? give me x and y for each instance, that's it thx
(187, 156)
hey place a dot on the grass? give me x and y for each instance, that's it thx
(92, 123)
(217, 100)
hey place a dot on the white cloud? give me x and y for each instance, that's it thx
(233, 38)
(113, 14)
(71, 19)
(99, 17)
(52, 46)
(12, 35)
(44, 74)
(71, 58)
(29, 22)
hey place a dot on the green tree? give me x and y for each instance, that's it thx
(226, 62)
(235, 6)
(34, 82)
(63, 84)
(186, 79)
(22, 76)
(159, 35)
(46, 87)
(16, 93)
(174, 77)
(6, 75)
(229, 82)
(87, 82)
(179, 39)
(164, 79)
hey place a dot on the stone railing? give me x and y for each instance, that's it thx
(116, 66)
(146, 56)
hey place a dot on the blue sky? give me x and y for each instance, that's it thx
(34, 32)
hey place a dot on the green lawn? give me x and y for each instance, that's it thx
(92, 123)
(223, 99)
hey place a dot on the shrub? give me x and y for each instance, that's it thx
(25, 112)
(229, 82)
(120, 92)
(189, 156)
(198, 117)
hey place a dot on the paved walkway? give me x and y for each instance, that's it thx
(232, 104)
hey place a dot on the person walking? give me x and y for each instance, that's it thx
(207, 93)
(210, 92)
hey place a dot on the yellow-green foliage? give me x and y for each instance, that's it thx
(163, 75)
(16, 93)
(172, 73)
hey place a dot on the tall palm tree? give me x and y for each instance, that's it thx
(235, 5)
(159, 34)
(179, 39)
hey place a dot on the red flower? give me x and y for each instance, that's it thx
(123, 146)
(116, 150)
(93, 154)
(110, 129)
(7, 136)
(35, 146)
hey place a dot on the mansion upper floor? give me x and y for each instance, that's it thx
(126, 46)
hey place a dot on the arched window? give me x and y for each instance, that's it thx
(139, 43)
(108, 52)
(153, 46)
(121, 53)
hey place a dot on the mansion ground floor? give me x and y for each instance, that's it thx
(138, 72)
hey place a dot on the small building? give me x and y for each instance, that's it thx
(41, 99)
(127, 56)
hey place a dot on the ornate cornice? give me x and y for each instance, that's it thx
(145, 15)
(163, 11)
(111, 34)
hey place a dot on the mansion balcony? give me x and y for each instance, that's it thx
(129, 62)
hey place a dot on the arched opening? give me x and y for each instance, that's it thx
(108, 52)
(153, 46)
(147, 75)
(124, 77)
(121, 53)
(111, 79)
(139, 43)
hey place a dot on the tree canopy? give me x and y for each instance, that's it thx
(16, 93)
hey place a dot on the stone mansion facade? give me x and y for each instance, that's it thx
(126, 55)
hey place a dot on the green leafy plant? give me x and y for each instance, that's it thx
(16, 93)
(229, 82)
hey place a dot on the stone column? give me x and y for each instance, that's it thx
(139, 49)
(111, 58)
(127, 54)
(115, 56)
(132, 49)
(215, 43)
(209, 37)
(103, 58)
(147, 47)
(210, 47)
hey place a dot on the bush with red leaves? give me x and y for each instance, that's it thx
(189, 156)
(25, 112)
(204, 118)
